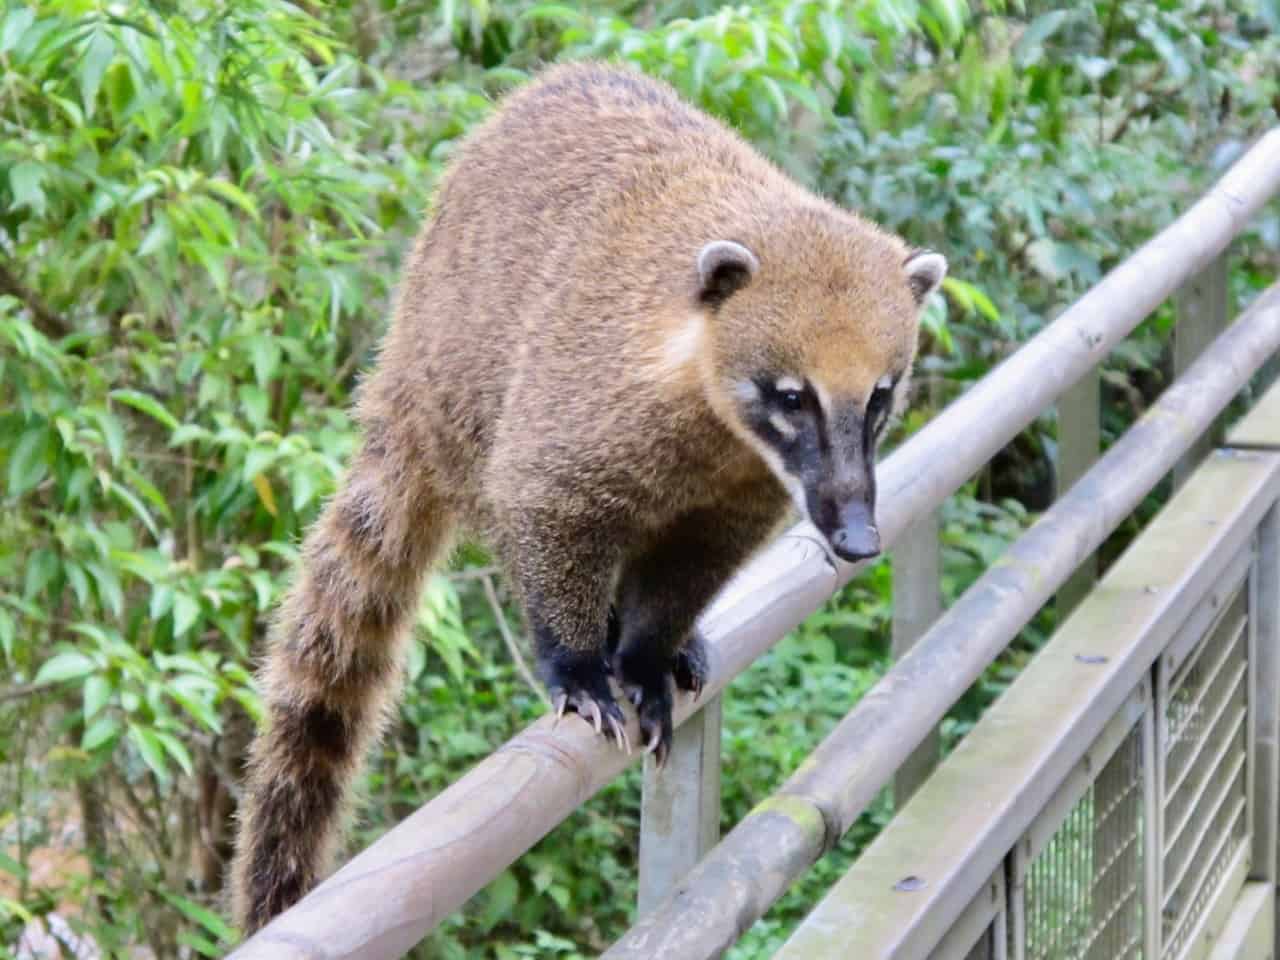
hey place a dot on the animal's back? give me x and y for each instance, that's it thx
(584, 160)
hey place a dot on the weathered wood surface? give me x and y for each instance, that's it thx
(1260, 429)
(680, 806)
(1250, 930)
(917, 604)
(1257, 428)
(1079, 443)
(1202, 313)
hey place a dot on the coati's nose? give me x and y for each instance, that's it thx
(857, 537)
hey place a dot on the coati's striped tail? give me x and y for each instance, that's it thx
(330, 675)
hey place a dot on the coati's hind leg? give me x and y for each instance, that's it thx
(660, 596)
(565, 574)
(331, 672)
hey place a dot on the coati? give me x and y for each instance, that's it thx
(623, 344)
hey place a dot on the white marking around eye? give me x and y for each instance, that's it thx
(790, 482)
(746, 391)
(783, 426)
(885, 382)
(785, 384)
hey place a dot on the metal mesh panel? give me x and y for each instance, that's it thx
(1083, 891)
(1204, 743)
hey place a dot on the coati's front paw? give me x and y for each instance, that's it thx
(580, 682)
(689, 666)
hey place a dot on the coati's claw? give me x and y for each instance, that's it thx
(656, 727)
(653, 707)
(580, 682)
(689, 665)
(660, 747)
(647, 683)
(595, 710)
(620, 734)
(694, 686)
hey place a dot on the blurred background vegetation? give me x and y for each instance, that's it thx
(202, 209)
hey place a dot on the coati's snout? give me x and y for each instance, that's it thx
(822, 448)
(856, 536)
(840, 483)
(833, 458)
(841, 502)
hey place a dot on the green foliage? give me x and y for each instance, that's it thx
(196, 221)
(201, 211)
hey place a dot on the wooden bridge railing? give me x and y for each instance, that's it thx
(1120, 799)
(388, 897)
(842, 777)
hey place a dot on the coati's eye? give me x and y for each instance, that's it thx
(787, 394)
(791, 400)
(879, 401)
(878, 406)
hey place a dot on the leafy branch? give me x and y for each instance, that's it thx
(46, 320)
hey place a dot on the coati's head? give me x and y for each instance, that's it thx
(811, 334)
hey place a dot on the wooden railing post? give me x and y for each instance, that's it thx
(1265, 706)
(1079, 442)
(1201, 306)
(680, 806)
(917, 604)
(1260, 430)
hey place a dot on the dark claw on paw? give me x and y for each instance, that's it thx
(689, 666)
(647, 674)
(656, 727)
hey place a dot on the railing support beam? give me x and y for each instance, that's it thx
(917, 604)
(1201, 306)
(1079, 441)
(1260, 430)
(1266, 694)
(680, 806)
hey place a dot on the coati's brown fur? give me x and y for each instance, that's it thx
(573, 375)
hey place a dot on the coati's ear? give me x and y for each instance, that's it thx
(724, 268)
(925, 270)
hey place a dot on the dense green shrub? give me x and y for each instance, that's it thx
(201, 211)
